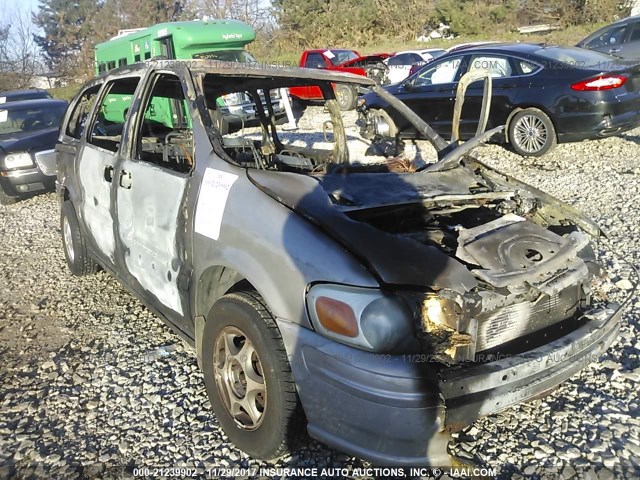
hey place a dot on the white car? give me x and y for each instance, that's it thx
(400, 64)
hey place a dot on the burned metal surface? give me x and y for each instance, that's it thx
(411, 264)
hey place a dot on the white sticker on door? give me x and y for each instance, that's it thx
(212, 200)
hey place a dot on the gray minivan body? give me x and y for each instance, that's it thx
(405, 305)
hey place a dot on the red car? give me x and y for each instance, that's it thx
(339, 60)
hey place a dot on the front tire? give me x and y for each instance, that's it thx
(75, 248)
(531, 133)
(346, 97)
(248, 378)
(6, 199)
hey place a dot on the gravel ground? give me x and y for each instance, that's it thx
(93, 384)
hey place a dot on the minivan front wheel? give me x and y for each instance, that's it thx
(248, 378)
(531, 133)
(75, 249)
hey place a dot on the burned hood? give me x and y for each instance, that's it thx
(393, 259)
(365, 60)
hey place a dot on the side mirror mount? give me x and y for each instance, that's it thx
(408, 84)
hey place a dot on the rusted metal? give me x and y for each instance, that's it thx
(466, 80)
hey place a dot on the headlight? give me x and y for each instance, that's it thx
(364, 318)
(17, 160)
(440, 311)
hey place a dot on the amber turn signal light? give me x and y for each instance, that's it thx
(336, 317)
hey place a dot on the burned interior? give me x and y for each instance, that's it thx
(528, 270)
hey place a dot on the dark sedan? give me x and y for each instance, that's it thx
(543, 94)
(28, 135)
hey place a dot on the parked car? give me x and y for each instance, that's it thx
(543, 94)
(340, 60)
(621, 39)
(19, 95)
(28, 135)
(401, 62)
(380, 308)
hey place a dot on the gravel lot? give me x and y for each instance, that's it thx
(92, 384)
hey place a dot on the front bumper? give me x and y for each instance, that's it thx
(397, 410)
(22, 181)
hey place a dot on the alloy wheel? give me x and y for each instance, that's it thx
(530, 133)
(240, 378)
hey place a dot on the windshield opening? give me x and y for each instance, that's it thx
(337, 57)
(323, 138)
(17, 120)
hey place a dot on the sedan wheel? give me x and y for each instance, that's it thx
(531, 133)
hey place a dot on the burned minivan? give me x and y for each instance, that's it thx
(379, 303)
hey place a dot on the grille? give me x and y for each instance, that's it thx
(508, 323)
(46, 161)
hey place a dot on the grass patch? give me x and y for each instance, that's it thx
(65, 93)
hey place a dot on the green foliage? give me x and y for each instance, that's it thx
(71, 28)
(65, 93)
(66, 28)
(468, 17)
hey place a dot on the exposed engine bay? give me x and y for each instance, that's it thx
(533, 270)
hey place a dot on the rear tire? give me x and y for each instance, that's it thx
(248, 378)
(346, 97)
(75, 248)
(531, 133)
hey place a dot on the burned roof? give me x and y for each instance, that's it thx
(247, 70)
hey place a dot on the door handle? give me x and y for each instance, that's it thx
(108, 173)
(125, 179)
(614, 50)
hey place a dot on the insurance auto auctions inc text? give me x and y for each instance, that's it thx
(337, 472)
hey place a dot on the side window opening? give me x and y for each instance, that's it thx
(78, 120)
(315, 60)
(444, 72)
(635, 33)
(108, 125)
(498, 67)
(527, 67)
(612, 36)
(164, 135)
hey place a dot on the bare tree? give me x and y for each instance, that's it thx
(19, 57)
